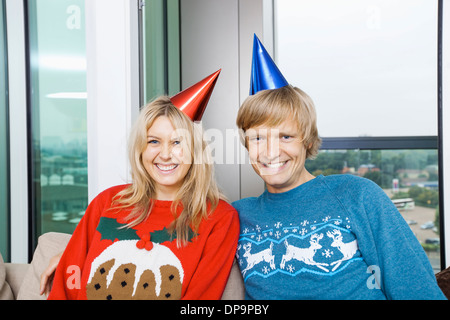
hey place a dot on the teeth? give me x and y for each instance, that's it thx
(166, 167)
(274, 165)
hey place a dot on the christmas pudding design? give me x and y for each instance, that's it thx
(139, 268)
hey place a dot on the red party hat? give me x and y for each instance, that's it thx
(193, 100)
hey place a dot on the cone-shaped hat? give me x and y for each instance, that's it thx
(193, 100)
(265, 74)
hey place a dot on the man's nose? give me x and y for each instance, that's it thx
(273, 148)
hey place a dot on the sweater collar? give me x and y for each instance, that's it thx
(293, 193)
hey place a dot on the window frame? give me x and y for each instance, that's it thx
(5, 203)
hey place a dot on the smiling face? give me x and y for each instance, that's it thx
(278, 156)
(166, 157)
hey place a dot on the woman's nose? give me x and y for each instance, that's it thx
(166, 151)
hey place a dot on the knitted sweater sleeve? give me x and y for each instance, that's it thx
(67, 278)
(211, 274)
(394, 255)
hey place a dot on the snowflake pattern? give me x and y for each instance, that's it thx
(290, 268)
(266, 270)
(270, 246)
(303, 228)
(327, 253)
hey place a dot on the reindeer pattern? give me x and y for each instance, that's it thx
(323, 247)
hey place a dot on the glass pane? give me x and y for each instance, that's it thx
(58, 110)
(369, 66)
(4, 134)
(409, 178)
(161, 48)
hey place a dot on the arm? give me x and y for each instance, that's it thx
(47, 275)
(70, 264)
(211, 275)
(387, 242)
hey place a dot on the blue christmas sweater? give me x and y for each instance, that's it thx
(334, 237)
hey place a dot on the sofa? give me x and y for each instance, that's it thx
(21, 281)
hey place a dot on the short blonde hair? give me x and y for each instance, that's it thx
(199, 193)
(272, 107)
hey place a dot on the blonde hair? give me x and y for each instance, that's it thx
(198, 195)
(272, 107)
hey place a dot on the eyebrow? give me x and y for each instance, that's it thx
(265, 132)
(287, 133)
(158, 138)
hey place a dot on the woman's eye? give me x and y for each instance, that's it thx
(152, 142)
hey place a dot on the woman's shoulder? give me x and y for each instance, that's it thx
(223, 209)
(105, 197)
(225, 206)
(112, 191)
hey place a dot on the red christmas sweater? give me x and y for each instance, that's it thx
(104, 261)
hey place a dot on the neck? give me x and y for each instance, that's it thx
(166, 193)
(305, 177)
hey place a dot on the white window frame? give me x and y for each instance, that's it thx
(445, 121)
(17, 123)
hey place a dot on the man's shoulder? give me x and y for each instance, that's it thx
(347, 186)
(244, 203)
(339, 181)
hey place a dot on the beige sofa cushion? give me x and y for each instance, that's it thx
(15, 272)
(49, 244)
(5, 289)
(234, 290)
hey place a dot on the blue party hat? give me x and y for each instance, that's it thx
(265, 74)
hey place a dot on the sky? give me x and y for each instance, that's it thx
(369, 66)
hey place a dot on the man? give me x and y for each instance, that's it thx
(306, 237)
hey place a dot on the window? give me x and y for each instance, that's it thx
(57, 108)
(371, 69)
(408, 176)
(4, 149)
(160, 52)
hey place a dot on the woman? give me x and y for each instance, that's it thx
(167, 235)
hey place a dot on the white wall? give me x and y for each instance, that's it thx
(218, 34)
(112, 54)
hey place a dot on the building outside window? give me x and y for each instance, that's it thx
(57, 108)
